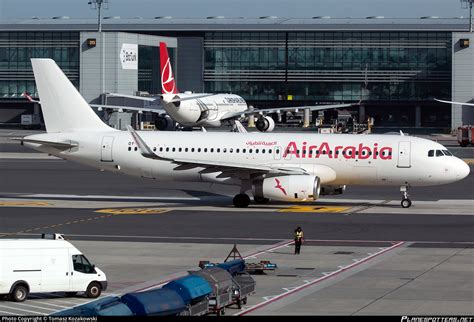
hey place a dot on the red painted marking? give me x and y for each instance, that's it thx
(278, 186)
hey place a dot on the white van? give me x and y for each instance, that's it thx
(49, 264)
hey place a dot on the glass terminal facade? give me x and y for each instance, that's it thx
(394, 74)
(329, 66)
(16, 49)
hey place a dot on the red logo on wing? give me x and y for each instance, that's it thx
(278, 186)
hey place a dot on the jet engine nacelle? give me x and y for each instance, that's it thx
(332, 190)
(288, 188)
(164, 123)
(265, 124)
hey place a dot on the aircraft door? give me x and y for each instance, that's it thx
(106, 149)
(277, 152)
(404, 148)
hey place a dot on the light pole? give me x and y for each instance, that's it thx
(97, 4)
(465, 4)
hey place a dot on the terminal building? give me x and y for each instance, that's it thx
(393, 67)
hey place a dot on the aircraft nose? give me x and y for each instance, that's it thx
(462, 170)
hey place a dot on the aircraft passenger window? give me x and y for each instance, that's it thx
(192, 149)
(180, 149)
(129, 149)
(256, 150)
(277, 151)
(136, 149)
(324, 152)
(431, 153)
(218, 150)
(244, 150)
(167, 149)
(154, 149)
(439, 153)
(205, 149)
(224, 150)
(317, 152)
(389, 153)
(263, 150)
(237, 150)
(185, 149)
(174, 149)
(199, 149)
(161, 149)
(212, 150)
(250, 150)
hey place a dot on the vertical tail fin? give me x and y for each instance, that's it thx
(64, 109)
(168, 84)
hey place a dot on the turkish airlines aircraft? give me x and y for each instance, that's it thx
(280, 166)
(208, 110)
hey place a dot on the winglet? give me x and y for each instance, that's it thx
(401, 133)
(240, 127)
(145, 150)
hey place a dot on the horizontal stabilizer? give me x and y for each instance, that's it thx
(55, 144)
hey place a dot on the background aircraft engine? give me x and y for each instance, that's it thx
(164, 123)
(265, 124)
(288, 188)
(332, 190)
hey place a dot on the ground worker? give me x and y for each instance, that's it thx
(299, 237)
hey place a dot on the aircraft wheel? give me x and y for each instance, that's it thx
(241, 200)
(261, 200)
(406, 203)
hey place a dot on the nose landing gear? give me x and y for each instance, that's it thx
(406, 202)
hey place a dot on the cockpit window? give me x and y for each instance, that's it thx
(439, 153)
(446, 152)
(431, 153)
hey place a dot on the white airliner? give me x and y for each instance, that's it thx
(207, 110)
(279, 166)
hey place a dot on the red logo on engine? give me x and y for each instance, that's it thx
(278, 186)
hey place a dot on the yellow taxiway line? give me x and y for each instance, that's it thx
(132, 211)
(316, 209)
(23, 203)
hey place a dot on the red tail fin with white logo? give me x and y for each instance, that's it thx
(168, 84)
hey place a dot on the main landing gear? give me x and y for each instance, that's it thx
(241, 200)
(406, 202)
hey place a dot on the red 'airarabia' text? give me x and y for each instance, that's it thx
(361, 151)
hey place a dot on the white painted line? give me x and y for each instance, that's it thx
(304, 286)
(106, 197)
(9, 313)
(162, 237)
(22, 310)
(50, 304)
(33, 306)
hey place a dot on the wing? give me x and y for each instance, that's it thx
(167, 98)
(211, 166)
(451, 102)
(284, 109)
(129, 108)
